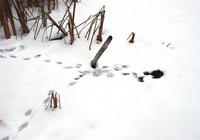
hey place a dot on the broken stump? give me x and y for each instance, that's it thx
(100, 52)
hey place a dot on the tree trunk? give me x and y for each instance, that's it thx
(4, 19)
(20, 16)
(10, 15)
(44, 19)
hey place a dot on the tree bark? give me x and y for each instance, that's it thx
(44, 20)
(10, 15)
(4, 19)
(21, 18)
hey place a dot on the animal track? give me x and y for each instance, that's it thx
(109, 74)
(77, 78)
(58, 62)
(105, 67)
(97, 72)
(125, 73)
(47, 60)
(78, 66)
(28, 112)
(38, 55)
(22, 126)
(10, 49)
(72, 83)
(1, 56)
(68, 67)
(12, 56)
(26, 58)
(125, 66)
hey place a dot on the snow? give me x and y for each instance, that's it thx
(105, 103)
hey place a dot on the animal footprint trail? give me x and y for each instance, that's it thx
(104, 70)
(81, 75)
(95, 73)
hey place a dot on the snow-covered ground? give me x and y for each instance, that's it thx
(108, 103)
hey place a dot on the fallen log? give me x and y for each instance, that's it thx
(100, 52)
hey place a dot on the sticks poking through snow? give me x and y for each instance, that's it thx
(95, 24)
(131, 37)
(52, 101)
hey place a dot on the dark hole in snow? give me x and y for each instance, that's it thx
(155, 74)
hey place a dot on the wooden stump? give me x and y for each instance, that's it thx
(100, 52)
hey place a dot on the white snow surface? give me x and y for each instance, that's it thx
(104, 104)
